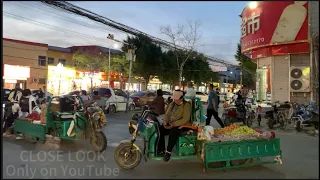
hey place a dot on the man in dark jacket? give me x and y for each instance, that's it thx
(158, 104)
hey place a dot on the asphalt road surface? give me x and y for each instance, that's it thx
(21, 159)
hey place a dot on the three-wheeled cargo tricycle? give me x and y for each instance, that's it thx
(226, 154)
(86, 121)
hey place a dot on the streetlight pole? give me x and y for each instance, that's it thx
(109, 68)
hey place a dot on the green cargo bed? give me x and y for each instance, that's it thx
(24, 127)
(239, 154)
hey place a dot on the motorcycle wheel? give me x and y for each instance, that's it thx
(227, 121)
(125, 159)
(282, 122)
(298, 126)
(249, 121)
(270, 123)
(100, 142)
(259, 120)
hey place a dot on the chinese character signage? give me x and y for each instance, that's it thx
(274, 23)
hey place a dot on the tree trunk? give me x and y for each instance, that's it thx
(180, 77)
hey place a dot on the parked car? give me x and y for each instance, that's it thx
(202, 96)
(141, 98)
(76, 92)
(114, 100)
(6, 93)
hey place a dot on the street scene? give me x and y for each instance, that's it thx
(168, 90)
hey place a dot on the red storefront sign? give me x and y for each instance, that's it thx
(274, 28)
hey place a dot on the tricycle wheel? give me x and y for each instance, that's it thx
(270, 123)
(125, 158)
(99, 142)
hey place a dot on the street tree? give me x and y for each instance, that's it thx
(184, 39)
(247, 67)
(197, 69)
(148, 56)
(168, 68)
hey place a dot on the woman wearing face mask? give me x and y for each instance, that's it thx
(178, 114)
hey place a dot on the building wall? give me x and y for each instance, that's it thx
(60, 55)
(26, 54)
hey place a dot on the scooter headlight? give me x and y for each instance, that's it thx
(3, 105)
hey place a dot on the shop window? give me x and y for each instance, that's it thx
(50, 60)
(42, 61)
(62, 61)
(42, 80)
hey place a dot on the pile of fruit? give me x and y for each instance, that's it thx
(226, 130)
(34, 116)
(238, 133)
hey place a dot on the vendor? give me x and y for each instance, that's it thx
(178, 114)
(27, 102)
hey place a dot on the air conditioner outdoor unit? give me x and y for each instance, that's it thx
(35, 80)
(300, 79)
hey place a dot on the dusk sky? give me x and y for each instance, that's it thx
(220, 23)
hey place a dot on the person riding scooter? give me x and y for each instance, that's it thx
(178, 114)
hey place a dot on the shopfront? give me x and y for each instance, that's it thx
(60, 80)
(15, 74)
(82, 81)
(276, 36)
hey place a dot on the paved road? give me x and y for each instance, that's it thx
(21, 159)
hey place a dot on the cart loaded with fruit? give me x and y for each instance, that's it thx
(238, 146)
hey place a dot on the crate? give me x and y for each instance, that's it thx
(229, 152)
(186, 145)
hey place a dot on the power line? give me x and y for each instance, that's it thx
(52, 27)
(58, 16)
(95, 17)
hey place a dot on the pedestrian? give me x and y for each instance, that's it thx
(218, 96)
(16, 94)
(96, 95)
(212, 109)
(190, 91)
(244, 93)
(84, 95)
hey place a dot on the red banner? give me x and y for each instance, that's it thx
(274, 23)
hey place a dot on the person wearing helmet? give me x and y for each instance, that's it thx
(178, 114)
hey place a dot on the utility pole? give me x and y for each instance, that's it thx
(109, 69)
(130, 57)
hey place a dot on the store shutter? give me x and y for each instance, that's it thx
(280, 88)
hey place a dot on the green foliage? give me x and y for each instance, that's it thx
(88, 62)
(148, 56)
(249, 68)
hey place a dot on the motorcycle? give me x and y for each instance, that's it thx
(278, 115)
(238, 113)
